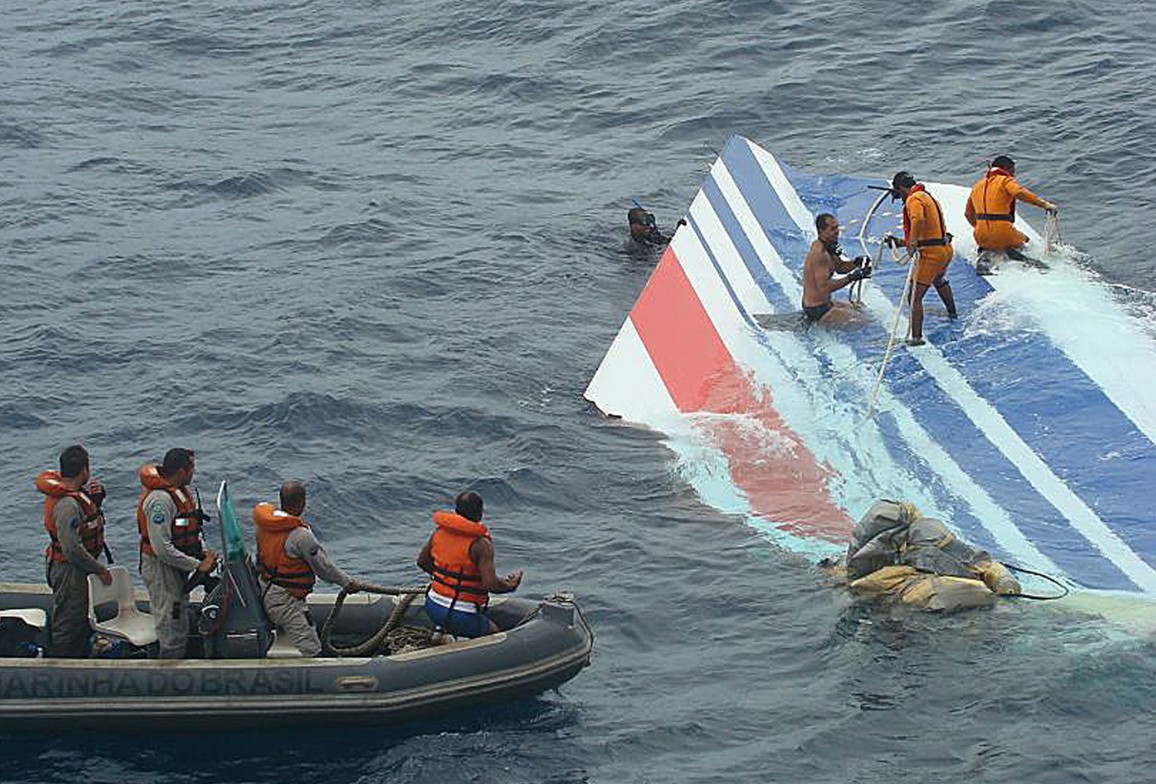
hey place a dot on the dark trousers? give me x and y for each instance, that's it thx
(68, 629)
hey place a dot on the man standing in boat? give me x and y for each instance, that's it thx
(459, 557)
(75, 526)
(169, 522)
(991, 210)
(925, 233)
(289, 561)
(824, 259)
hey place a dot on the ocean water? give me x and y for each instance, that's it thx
(377, 246)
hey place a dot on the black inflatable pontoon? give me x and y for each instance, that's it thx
(541, 645)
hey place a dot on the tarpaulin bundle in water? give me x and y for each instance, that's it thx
(916, 560)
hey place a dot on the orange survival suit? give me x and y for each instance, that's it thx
(993, 210)
(933, 242)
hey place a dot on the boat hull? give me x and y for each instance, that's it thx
(548, 646)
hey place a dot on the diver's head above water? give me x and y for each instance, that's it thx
(641, 221)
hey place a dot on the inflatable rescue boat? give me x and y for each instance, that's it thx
(238, 672)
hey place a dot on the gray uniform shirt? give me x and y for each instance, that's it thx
(301, 543)
(160, 511)
(69, 517)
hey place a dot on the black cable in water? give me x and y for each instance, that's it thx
(1048, 577)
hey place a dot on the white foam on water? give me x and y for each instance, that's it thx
(707, 470)
(982, 414)
(866, 465)
(1078, 312)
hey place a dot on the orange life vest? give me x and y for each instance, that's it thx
(455, 575)
(186, 526)
(51, 484)
(273, 527)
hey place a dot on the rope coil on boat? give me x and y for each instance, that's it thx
(389, 630)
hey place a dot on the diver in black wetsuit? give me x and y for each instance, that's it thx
(644, 233)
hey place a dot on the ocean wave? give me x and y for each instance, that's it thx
(244, 186)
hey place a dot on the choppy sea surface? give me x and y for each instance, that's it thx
(377, 246)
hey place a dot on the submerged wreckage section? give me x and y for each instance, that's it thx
(1023, 423)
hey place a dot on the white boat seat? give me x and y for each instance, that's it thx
(282, 648)
(32, 616)
(129, 623)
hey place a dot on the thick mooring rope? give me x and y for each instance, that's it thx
(908, 294)
(375, 643)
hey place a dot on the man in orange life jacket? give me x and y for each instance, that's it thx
(991, 209)
(289, 561)
(459, 557)
(925, 231)
(75, 526)
(169, 523)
